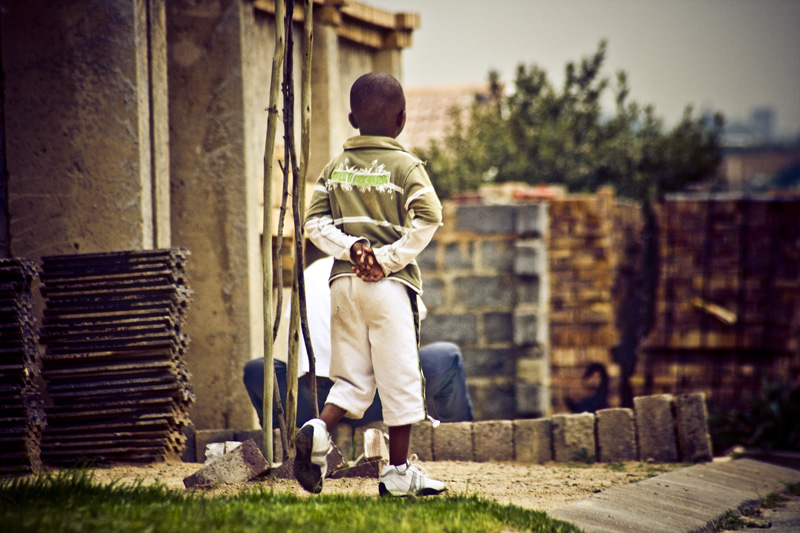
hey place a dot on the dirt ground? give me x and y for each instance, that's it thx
(540, 487)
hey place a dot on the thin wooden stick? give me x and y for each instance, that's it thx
(288, 136)
(266, 241)
(305, 143)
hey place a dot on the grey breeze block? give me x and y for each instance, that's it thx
(656, 428)
(616, 435)
(493, 440)
(532, 440)
(573, 437)
(452, 442)
(691, 417)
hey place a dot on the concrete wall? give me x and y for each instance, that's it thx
(219, 63)
(81, 114)
(136, 124)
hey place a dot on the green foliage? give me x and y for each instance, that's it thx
(72, 502)
(539, 134)
(769, 420)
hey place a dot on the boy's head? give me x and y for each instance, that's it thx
(377, 105)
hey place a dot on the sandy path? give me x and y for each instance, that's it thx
(541, 487)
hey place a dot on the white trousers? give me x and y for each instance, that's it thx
(374, 346)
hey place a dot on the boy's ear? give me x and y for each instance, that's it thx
(352, 120)
(401, 121)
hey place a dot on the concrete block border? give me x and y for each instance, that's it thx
(660, 428)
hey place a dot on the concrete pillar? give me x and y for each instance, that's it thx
(219, 59)
(86, 126)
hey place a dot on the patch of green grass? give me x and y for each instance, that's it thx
(734, 522)
(792, 488)
(615, 467)
(773, 500)
(584, 457)
(72, 502)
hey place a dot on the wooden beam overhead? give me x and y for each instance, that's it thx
(358, 22)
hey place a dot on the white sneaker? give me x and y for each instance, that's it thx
(408, 480)
(311, 462)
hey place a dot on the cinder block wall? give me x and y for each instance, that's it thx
(486, 289)
(531, 292)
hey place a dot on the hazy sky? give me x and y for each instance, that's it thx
(725, 55)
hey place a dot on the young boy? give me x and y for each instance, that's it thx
(374, 210)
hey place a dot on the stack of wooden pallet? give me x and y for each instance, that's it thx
(113, 358)
(22, 413)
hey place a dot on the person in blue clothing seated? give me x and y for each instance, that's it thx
(446, 392)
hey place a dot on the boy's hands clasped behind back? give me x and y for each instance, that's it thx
(366, 264)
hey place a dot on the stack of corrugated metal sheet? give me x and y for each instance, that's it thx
(21, 411)
(113, 359)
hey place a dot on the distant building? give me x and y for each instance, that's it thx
(429, 111)
(755, 168)
(757, 130)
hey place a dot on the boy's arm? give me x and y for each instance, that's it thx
(396, 256)
(425, 211)
(319, 227)
(330, 239)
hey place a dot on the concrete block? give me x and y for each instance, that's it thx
(204, 437)
(189, 452)
(498, 255)
(532, 399)
(375, 444)
(481, 291)
(532, 369)
(458, 255)
(493, 440)
(434, 292)
(529, 328)
(573, 438)
(358, 436)
(533, 440)
(616, 435)
(453, 442)
(492, 399)
(489, 362)
(497, 327)
(691, 421)
(655, 427)
(426, 260)
(460, 328)
(485, 219)
(530, 258)
(242, 464)
(342, 436)
(529, 290)
(531, 219)
(421, 442)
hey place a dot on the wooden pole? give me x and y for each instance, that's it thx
(266, 241)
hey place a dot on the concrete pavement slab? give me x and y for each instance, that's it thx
(686, 500)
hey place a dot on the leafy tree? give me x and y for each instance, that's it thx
(539, 134)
